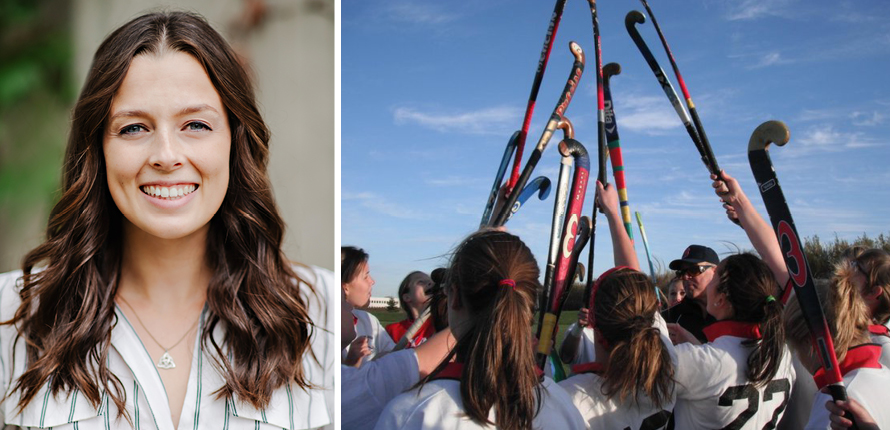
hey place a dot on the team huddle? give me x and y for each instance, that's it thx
(734, 353)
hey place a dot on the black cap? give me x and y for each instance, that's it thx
(693, 255)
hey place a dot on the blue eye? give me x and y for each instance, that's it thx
(131, 129)
(197, 126)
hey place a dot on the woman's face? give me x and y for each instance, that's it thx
(166, 146)
(676, 293)
(416, 297)
(358, 291)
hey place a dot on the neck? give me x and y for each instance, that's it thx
(164, 272)
(702, 302)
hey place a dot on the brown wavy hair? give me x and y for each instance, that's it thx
(67, 311)
(749, 286)
(875, 265)
(499, 367)
(639, 362)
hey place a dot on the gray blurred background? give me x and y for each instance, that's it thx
(45, 51)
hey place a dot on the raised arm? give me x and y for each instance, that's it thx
(622, 247)
(759, 232)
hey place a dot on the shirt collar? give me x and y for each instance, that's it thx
(588, 368)
(741, 329)
(879, 329)
(455, 370)
(858, 357)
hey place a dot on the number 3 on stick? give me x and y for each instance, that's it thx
(800, 276)
(558, 112)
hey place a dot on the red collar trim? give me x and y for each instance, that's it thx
(858, 357)
(354, 320)
(878, 329)
(732, 328)
(588, 368)
(455, 370)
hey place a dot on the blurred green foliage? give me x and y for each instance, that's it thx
(36, 93)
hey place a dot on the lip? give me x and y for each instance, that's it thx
(165, 203)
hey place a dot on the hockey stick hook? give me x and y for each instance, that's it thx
(769, 132)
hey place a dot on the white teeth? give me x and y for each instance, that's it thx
(168, 192)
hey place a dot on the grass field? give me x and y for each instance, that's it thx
(565, 319)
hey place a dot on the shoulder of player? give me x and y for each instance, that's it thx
(443, 394)
(10, 285)
(583, 388)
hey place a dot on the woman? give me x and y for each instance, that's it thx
(356, 283)
(162, 297)
(414, 295)
(676, 291)
(871, 278)
(493, 381)
(849, 318)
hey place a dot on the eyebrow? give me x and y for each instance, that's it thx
(184, 111)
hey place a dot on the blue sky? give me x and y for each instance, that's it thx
(432, 91)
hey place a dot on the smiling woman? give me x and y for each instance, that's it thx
(161, 297)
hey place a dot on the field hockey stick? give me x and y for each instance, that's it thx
(498, 179)
(801, 278)
(540, 186)
(414, 328)
(630, 21)
(705, 144)
(559, 209)
(558, 112)
(549, 38)
(570, 245)
(648, 255)
(611, 125)
(601, 142)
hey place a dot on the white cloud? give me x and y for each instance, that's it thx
(755, 9)
(867, 118)
(768, 59)
(495, 120)
(427, 14)
(379, 204)
(827, 138)
(453, 181)
(648, 115)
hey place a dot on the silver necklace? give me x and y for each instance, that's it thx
(166, 361)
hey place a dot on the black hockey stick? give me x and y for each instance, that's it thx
(801, 278)
(558, 112)
(630, 21)
(536, 85)
(703, 138)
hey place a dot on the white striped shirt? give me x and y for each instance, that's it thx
(146, 400)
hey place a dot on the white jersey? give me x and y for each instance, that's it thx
(865, 379)
(712, 389)
(146, 403)
(437, 405)
(368, 325)
(586, 347)
(366, 390)
(600, 412)
(880, 335)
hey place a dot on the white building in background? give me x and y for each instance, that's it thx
(381, 302)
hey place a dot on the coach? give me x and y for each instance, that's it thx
(695, 269)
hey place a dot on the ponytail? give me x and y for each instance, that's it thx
(749, 285)
(639, 362)
(846, 312)
(495, 278)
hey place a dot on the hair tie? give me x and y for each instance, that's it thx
(508, 283)
(770, 299)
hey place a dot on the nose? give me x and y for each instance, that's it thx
(165, 151)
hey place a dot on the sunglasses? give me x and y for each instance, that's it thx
(692, 271)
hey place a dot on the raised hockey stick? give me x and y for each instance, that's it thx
(801, 278)
(540, 186)
(498, 179)
(611, 125)
(573, 231)
(558, 112)
(601, 142)
(536, 85)
(559, 209)
(630, 21)
(705, 144)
